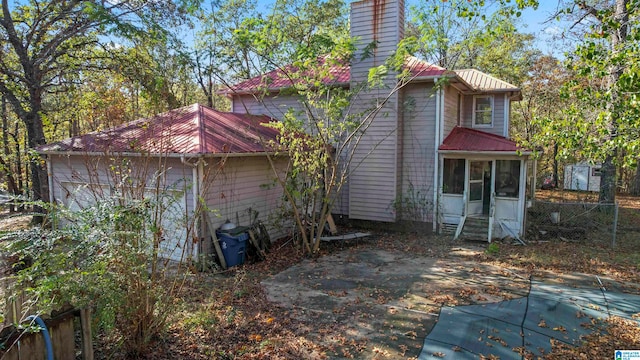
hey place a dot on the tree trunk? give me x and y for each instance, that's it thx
(608, 181)
(635, 187)
(16, 141)
(618, 39)
(11, 181)
(38, 174)
(555, 165)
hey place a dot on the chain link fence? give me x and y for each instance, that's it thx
(572, 221)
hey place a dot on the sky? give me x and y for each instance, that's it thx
(535, 22)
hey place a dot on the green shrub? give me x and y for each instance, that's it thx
(493, 249)
(104, 257)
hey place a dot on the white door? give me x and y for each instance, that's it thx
(479, 187)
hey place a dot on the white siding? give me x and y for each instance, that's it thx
(95, 172)
(374, 175)
(419, 143)
(241, 184)
(498, 114)
(79, 181)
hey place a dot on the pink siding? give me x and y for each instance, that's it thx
(230, 190)
(375, 177)
(419, 142)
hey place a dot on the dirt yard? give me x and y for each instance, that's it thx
(378, 298)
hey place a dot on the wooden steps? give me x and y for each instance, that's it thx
(475, 228)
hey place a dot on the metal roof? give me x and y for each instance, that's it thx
(194, 129)
(471, 140)
(484, 82)
(420, 68)
(339, 74)
(282, 78)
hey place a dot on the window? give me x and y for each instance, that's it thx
(453, 176)
(596, 172)
(483, 111)
(508, 178)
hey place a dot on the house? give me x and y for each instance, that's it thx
(199, 158)
(444, 136)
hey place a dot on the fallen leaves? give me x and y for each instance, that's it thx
(411, 334)
(498, 340)
(614, 333)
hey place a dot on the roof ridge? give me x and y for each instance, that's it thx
(200, 125)
(417, 59)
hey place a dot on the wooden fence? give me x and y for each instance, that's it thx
(17, 344)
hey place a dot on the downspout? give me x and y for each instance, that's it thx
(441, 129)
(195, 188)
(507, 115)
(201, 219)
(436, 162)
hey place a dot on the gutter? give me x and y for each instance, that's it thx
(230, 92)
(436, 162)
(505, 153)
(171, 155)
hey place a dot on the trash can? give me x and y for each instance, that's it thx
(233, 246)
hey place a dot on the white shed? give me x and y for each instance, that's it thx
(582, 176)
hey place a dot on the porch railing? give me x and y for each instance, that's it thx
(463, 217)
(492, 212)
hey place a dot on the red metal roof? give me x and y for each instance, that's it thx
(194, 129)
(420, 68)
(339, 75)
(471, 140)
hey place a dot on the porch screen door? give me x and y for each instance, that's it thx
(479, 177)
